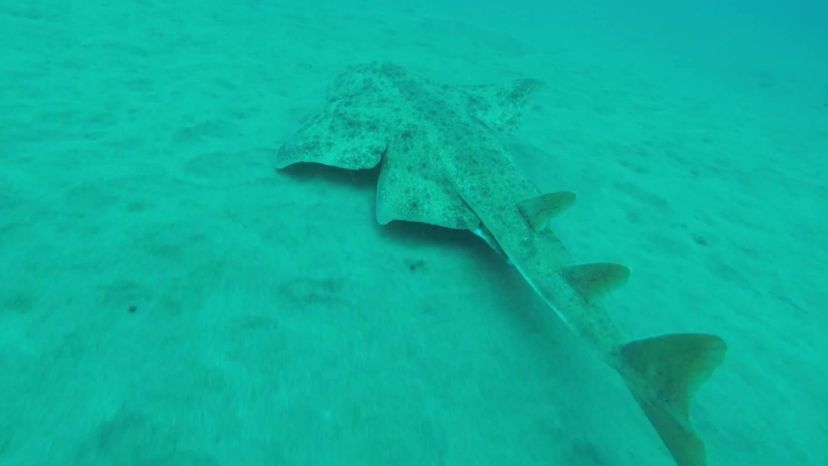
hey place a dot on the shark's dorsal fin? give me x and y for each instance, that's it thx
(539, 210)
(498, 105)
(593, 281)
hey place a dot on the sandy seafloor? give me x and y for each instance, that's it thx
(275, 323)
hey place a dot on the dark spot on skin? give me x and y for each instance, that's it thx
(132, 309)
(700, 240)
(414, 264)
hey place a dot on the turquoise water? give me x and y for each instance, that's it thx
(168, 298)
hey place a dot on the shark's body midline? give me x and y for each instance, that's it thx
(538, 255)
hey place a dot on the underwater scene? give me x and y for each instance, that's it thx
(414, 233)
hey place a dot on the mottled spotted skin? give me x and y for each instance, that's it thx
(443, 163)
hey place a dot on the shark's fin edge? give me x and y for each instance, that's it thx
(499, 106)
(538, 211)
(663, 374)
(593, 281)
(338, 155)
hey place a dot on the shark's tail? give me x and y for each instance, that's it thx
(663, 373)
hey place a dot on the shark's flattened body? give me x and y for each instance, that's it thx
(443, 163)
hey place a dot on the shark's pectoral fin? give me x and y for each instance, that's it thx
(335, 139)
(663, 373)
(411, 189)
(498, 106)
(539, 210)
(593, 281)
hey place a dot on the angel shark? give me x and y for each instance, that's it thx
(443, 163)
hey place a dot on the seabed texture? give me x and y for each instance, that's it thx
(168, 297)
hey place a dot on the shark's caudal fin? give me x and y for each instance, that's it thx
(663, 373)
